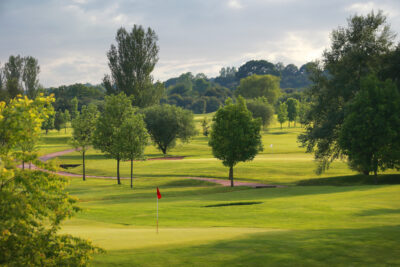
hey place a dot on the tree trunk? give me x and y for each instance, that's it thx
(83, 165)
(119, 181)
(131, 173)
(23, 165)
(365, 172)
(288, 124)
(281, 126)
(164, 151)
(231, 175)
(376, 176)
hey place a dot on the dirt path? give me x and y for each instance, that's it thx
(212, 180)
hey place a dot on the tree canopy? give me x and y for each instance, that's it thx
(259, 86)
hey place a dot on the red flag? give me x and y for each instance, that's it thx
(158, 193)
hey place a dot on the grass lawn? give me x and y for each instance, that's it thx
(333, 220)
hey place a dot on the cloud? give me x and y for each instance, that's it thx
(234, 4)
(367, 7)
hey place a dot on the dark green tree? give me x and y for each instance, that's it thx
(166, 124)
(370, 134)
(259, 67)
(235, 135)
(292, 109)
(259, 86)
(260, 108)
(131, 63)
(356, 51)
(59, 120)
(83, 129)
(74, 108)
(108, 127)
(30, 76)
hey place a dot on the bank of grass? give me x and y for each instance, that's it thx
(338, 219)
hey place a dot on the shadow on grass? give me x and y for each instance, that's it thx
(54, 139)
(277, 133)
(375, 246)
(352, 180)
(233, 204)
(376, 212)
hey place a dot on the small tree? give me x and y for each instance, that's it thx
(135, 137)
(167, 123)
(282, 113)
(293, 109)
(83, 127)
(235, 135)
(48, 123)
(74, 108)
(108, 128)
(370, 135)
(67, 118)
(205, 126)
(59, 120)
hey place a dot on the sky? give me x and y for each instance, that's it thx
(70, 38)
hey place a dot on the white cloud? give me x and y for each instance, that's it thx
(367, 7)
(234, 4)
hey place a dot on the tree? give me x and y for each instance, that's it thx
(30, 76)
(282, 113)
(166, 124)
(235, 135)
(74, 108)
(259, 67)
(108, 127)
(84, 126)
(292, 109)
(259, 86)
(260, 108)
(67, 118)
(33, 204)
(59, 120)
(356, 52)
(13, 73)
(48, 123)
(205, 126)
(131, 63)
(135, 137)
(370, 134)
(304, 109)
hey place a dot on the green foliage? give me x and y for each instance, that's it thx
(84, 126)
(166, 123)
(282, 113)
(235, 135)
(293, 110)
(259, 86)
(260, 108)
(370, 135)
(30, 76)
(356, 51)
(131, 63)
(259, 67)
(108, 127)
(74, 107)
(59, 120)
(205, 126)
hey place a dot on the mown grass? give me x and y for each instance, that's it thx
(338, 219)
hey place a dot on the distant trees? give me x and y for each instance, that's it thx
(259, 86)
(107, 136)
(166, 124)
(370, 134)
(360, 49)
(259, 67)
(84, 126)
(235, 135)
(131, 62)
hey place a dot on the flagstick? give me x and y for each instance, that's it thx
(157, 214)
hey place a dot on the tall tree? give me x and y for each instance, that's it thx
(282, 113)
(131, 63)
(235, 135)
(370, 135)
(30, 76)
(356, 51)
(259, 86)
(167, 123)
(135, 137)
(13, 71)
(74, 108)
(108, 127)
(84, 126)
(259, 67)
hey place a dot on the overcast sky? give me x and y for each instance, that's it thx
(70, 38)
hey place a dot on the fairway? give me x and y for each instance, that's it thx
(201, 223)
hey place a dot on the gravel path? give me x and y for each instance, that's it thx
(212, 180)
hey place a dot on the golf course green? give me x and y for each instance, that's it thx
(339, 218)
